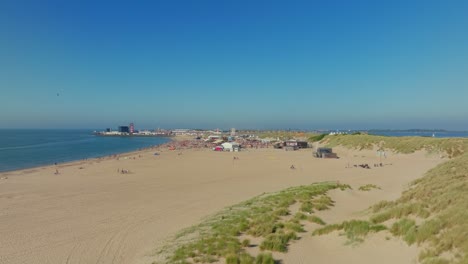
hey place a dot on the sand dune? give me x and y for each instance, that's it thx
(90, 213)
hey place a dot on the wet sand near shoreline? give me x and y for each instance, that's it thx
(90, 212)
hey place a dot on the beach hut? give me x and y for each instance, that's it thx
(291, 145)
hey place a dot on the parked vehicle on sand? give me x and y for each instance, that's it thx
(325, 153)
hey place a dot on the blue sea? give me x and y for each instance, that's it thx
(21, 149)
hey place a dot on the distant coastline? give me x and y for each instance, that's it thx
(131, 135)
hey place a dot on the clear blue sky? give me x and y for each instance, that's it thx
(244, 64)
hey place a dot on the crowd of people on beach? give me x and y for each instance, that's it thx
(201, 144)
(180, 145)
(366, 166)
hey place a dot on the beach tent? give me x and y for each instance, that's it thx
(231, 146)
(218, 148)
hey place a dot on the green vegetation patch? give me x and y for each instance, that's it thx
(317, 137)
(241, 258)
(355, 230)
(405, 228)
(368, 187)
(454, 147)
(440, 199)
(265, 216)
(316, 219)
(278, 241)
(322, 203)
(264, 258)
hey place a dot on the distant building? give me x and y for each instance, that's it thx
(180, 131)
(108, 130)
(302, 144)
(233, 132)
(132, 128)
(124, 129)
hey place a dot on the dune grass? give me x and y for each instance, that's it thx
(440, 199)
(368, 187)
(278, 241)
(242, 258)
(355, 230)
(264, 258)
(266, 216)
(453, 147)
(285, 135)
(316, 138)
(405, 228)
(316, 219)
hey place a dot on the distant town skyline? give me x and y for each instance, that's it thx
(243, 64)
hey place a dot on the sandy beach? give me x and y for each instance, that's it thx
(90, 212)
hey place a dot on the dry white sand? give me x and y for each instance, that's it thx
(90, 213)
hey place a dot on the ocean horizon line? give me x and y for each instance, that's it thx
(258, 129)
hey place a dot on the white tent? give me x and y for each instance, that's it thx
(231, 146)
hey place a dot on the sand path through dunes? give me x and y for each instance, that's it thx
(97, 215)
